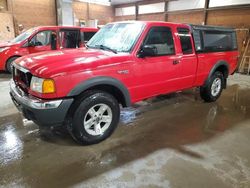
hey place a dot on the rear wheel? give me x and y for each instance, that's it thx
(9, 64)
(95, 118)
(213, 88)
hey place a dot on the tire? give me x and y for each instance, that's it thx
(9, 64)
(213, 88)
(86, 109)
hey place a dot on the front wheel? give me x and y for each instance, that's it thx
(212, 90)
(95, 118)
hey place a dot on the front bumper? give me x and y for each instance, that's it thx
(42, 112)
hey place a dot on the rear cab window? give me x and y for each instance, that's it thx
(69, 38)
(186, 40)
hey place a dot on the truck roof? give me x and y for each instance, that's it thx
(211, 28)
(68, 27)
(151, 22)
(192, 26)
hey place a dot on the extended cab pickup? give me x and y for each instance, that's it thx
(43, 38)
(125, 62)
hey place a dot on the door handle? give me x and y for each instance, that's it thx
(175, 62)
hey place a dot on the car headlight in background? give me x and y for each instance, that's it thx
(4, 48)
(41, 85)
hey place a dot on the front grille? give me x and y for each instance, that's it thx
(22, 79)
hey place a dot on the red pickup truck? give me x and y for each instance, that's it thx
(43, 38)
(125, 62)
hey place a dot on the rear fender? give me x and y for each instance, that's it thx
(216, 67)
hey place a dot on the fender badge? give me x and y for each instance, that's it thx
(123, 72)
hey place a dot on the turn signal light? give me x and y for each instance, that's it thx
(48, 86)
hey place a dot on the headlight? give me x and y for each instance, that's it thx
(4, 48)
(41, 85)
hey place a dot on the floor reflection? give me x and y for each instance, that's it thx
(11, 145)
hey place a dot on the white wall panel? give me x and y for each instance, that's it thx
(119, 2)
(125, 11)
(151, 8)
(218, 3)
(65, 12)
(186, 5)
(101, 2)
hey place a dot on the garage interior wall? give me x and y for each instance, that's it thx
(3, 5)
(6, 22)
(6, 27)
(236, 14)
(30, 13)
(223, 16)
(84, 11)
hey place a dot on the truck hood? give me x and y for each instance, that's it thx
(64, 61)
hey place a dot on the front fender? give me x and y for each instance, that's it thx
(102, 80)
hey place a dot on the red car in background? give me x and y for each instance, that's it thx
(43, 38)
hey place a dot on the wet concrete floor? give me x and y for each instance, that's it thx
(170, 141)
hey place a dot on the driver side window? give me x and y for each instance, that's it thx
(41, 39)
(161, 39)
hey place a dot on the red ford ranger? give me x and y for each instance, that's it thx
(43, 38)
(125, 62)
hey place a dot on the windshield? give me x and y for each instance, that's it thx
(117, 37)
(23, 36)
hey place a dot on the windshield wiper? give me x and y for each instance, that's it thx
(106, 48)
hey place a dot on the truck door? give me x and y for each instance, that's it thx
(188, 58)
(40, 42)
(69, 38)
(158, 73)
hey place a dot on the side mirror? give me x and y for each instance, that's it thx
(31, 44)
(26, 44)
(147, 51)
